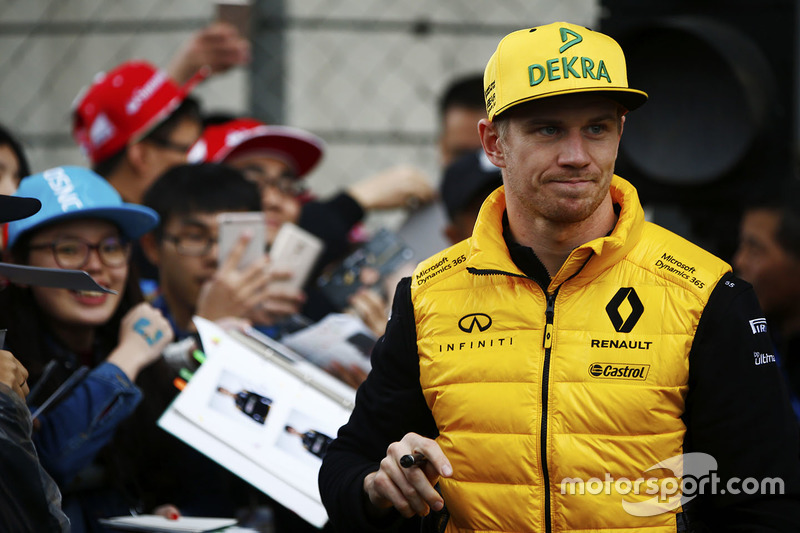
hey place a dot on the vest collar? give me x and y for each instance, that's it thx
(489, 251)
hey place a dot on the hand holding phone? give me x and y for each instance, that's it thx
(237, 14)
(231, 227)
(242, 279)
(219, 47)
(294, 250)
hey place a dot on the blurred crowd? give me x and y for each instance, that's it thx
(141, 218)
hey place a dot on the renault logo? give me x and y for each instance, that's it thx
(470, 322)
(625, 325)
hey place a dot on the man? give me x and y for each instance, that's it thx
(769, 257)
(134, 123)
(567, 344)
(192, 281)
(278, 159)
(460, 108)
(465, 185)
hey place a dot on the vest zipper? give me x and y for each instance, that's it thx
(547, 343)
(495, 272)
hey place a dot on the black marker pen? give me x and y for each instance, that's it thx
(416, 459)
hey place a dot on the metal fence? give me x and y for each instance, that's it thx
(364, 75)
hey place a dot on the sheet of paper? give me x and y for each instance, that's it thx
(312, 510)
(238, 408)
(337, 337)
(76, 280)
(162, 524)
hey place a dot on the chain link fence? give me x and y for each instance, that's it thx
(364, 75)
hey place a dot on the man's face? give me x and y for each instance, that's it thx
(9, 171)
(182, 275)
(762, 261)
(459, 133)
(163, 154)
(279, 188)
(558, 156)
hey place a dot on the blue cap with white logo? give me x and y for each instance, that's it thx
(71, 192)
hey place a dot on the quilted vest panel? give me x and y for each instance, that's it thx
(593, 399)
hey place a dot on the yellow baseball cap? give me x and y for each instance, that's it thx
(558, 58)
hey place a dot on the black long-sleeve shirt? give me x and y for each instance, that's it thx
(331, 221)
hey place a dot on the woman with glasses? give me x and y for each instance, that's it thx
(83, 225)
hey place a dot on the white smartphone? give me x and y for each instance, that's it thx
(295, 250)
(231, 226)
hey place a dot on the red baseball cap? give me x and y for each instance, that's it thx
(122, 105)
(219, 142)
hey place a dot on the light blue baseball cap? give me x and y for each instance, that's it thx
(72, 192)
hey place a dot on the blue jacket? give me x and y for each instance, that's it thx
(73, 432)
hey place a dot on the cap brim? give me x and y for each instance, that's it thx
(630, 99)
(133, 221)
(302, 151)
(17, 207)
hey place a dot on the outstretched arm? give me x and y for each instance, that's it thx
(218, 47)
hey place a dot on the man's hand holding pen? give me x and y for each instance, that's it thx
(409, 489)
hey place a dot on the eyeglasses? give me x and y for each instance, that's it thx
(287, 183)
(193, 245)
(72, 253)
(169, 145)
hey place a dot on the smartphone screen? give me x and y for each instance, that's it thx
(231, 226)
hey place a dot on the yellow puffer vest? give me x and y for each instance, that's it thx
(527, 396)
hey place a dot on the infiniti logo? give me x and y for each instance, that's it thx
(469, 322)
